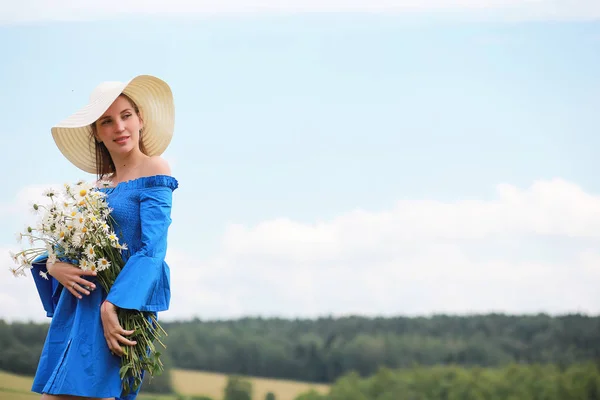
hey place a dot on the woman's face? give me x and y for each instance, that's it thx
(119, 127)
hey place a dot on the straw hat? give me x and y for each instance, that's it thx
(155, 101)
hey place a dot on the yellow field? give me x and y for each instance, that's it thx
(14, 387)
(17, 396)
(212, 385)
(14, 382)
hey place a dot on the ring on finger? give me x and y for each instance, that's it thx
(73, 286)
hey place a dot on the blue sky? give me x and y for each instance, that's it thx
(311, 148)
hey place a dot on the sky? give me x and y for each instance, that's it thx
(335, 158)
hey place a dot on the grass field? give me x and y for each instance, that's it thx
(14, 387)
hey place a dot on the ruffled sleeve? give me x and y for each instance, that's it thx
(48, 289)
(144, 282)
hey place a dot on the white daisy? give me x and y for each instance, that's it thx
(103, 264)
(85, 265)
(90, 252)
(51, 257)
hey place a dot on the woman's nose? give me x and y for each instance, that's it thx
(120, 126)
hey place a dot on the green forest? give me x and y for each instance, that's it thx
(512, 382)
(324, 349)
(490, 356)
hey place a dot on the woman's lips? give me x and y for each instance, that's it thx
(121, 140)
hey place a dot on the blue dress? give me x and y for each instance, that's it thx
(75, 359)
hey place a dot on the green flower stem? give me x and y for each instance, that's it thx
(143, 355)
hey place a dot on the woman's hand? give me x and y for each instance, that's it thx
(113, 331)
(71, 277)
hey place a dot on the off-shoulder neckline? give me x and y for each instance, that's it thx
(144, 182)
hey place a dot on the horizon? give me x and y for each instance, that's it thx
(317, 318)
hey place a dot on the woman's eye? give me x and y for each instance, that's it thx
(126, 116)
(106, 122)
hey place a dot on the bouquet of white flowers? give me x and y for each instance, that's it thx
(76, 225)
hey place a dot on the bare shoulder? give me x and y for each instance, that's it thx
(157, 165)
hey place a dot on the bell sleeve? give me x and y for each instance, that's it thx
(144, 282)
(49, 289)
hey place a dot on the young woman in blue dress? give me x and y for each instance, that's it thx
(119, 136)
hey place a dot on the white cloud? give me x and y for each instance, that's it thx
(64, 10)
(526, 250)
(24, 199)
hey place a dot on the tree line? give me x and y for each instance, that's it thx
(579, 381)
(325, 349)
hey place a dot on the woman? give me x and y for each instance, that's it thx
(119, 136)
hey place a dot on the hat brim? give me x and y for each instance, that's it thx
(154, 98)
